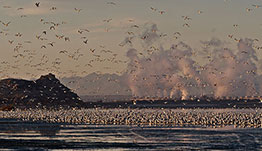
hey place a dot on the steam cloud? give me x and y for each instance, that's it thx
(177, 72)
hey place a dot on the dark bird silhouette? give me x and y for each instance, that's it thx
(257, 6)
(18, 34)
(67, 39)
(187, 25)
(53, 8)
(51, 44)
(52, 27)
(6, 24)
(6, 6)
(107, 20)
(177, 33)
(10, 41)
(136, 26)
(80, 31)
(85, 41)
(161, 12)
(43, 46)
(92, 50)
(112, 3)
(77, 10)
(63, 51)
(59, 36)
(186, 18)
(152, 8)
(37, 4)
(230, 36)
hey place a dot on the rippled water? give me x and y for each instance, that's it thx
(28, 135)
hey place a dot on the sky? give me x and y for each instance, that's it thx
(104, 24)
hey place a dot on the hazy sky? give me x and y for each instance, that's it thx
(29, 56)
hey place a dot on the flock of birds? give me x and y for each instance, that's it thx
(51, 29)
(101, 54)
(241, 118)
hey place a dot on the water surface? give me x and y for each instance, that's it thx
(44, 136)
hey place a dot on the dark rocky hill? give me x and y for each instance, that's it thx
(45, 92)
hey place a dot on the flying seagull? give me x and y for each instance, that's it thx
(37, 4)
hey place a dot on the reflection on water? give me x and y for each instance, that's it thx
(15, 127)
(28, 135)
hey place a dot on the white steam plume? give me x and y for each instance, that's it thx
(174, 72)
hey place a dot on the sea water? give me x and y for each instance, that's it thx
(21, 135)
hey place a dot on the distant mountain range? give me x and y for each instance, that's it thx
(98, 84)
(48, 92)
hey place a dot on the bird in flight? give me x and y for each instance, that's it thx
(18, 34)
(257, 6)
(161, 12)
(237, 40)
(10, 41)
(27, 42)
(6, 6)
(187, 25)
(199, 12)
(67, 39)
(43, 46)
(177, 33)
(152, 8)
(52, 27)
(78, 10)
(136, 26)
(130, 33)
(63, 51)
(85, 30)
(37, 4)
(80, 31)
(53, 8)
(107, 20)
(248, 9)
(112, 3)
(186, 18)
(59, 36)
(230, 36)
(92, 50)
(6, 24)
(85, 41)
(51, 44)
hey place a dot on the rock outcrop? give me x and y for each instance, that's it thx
(45, 92)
